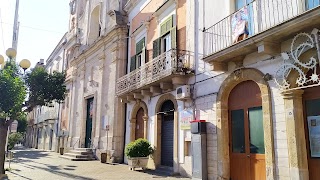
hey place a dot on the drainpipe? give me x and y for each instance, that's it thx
(126, 105)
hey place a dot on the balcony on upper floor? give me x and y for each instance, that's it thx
(260, 26)
(158, 75)
(49, 115)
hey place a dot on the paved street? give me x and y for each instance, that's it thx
(38, 165)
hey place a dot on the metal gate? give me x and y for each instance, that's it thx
(167, 134)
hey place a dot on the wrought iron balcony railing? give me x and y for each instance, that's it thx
(168, 63)
(254, 18)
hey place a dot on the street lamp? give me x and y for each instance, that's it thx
(11, 53)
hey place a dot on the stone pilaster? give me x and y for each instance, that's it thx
(145, 127)
(133, 129)
(298, 161)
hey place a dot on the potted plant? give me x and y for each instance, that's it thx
(138, 152)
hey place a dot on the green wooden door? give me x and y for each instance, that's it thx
(89, 123)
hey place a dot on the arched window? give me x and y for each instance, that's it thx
(94, 26)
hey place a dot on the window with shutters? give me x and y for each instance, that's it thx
(167, 39)
(139, 58)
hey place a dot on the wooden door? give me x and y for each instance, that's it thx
(139, 124)
(247, 153)
(312, 130)
(89, 123)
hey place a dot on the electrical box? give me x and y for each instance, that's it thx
(198, 127)
(199, 150)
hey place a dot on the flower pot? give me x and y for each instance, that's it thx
(61, 151)
(138, 162)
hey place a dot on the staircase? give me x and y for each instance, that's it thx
(80, 154)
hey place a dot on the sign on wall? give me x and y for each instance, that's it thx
(14, 126)
(314, 135)
(186, 116)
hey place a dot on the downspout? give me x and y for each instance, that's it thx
(126, 105)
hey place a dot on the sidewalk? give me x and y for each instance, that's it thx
(30, 164)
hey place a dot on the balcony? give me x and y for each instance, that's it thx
(51, 114)
(168, 69)
(258, 27)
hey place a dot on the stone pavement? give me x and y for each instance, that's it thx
(31, 164)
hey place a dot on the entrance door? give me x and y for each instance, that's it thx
(140, 124)
(247, 153)
(312, 129)
(167, 124)
(89, 123)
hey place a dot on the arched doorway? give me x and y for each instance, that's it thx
(224, 127)
(139, 132)
(247, 149)
(167, 133)
(139, 121)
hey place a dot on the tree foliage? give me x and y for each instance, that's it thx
(12, 91)
(44, 88)
(13, 139)
(22, 123)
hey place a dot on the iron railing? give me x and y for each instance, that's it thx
(170, 62)
(256, 17)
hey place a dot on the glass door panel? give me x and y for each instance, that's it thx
(256, 135)
(238, 131)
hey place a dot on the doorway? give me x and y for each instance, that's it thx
(167, 133)
(246, 134)
(166, 49)
(139, 132)
(89, 123)
(311, 99)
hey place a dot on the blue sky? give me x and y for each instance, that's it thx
(42, 25)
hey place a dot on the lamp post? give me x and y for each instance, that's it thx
(24, 64)
(11, 53)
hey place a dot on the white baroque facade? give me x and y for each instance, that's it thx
(93, 116)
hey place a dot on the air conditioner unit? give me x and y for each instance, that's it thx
(183, 92)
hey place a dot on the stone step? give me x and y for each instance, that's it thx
(80, 152)
(84, 149)
(78, 155)
(77, 159)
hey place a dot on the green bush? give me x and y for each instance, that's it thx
(13, 139)
(139, 148)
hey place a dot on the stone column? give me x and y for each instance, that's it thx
(298, 161)
(133, 129)
(145, 127)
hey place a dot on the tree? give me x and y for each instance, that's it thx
(45, 88)
(22, 123)
(12, 97)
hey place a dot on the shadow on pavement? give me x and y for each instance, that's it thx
(22, 156)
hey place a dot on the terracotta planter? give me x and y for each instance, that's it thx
(138, 162)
